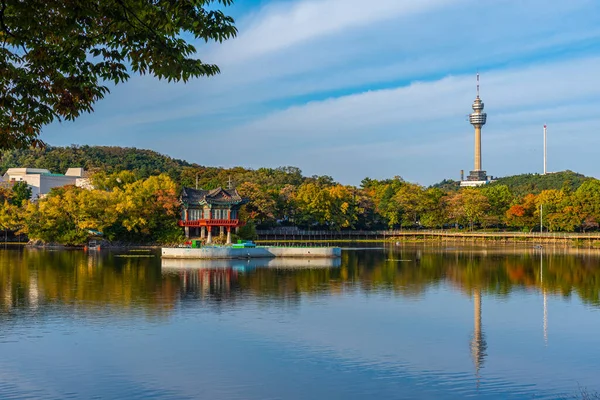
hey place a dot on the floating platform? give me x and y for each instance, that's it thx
(214, 253)
(250, 264)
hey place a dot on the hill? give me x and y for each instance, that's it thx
(447, 185)
(145, 163)
(109, 159)
(535, 183)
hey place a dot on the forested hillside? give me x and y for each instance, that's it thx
(143, 163)
(283, 196)
(146, 163)
(524, 184)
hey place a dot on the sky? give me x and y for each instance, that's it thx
(378, 89)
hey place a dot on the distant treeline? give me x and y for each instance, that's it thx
(283, 196)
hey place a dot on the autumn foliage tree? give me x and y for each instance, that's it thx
(140, 212)
(524, 214)
(468, 207)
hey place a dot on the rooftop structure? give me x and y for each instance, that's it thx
(208, 209)
(42, 180)
(478, 119)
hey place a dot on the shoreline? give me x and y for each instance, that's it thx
(83, 247)
(571, 241)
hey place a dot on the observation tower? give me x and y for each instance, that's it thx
(478, 119)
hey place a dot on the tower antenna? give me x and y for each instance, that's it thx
(477, 84)
(545, 154)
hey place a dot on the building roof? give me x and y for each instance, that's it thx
(71, 172)
(77, 172)
(26, 171)
(216, 196)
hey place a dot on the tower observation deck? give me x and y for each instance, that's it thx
(478, 119)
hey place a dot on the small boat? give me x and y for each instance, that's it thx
(93, 245)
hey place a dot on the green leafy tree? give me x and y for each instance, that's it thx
(411, 201)
(500, 198)
(435, 208)
(21, 192)
(106, 181)
(383, 193)
(56, 54)
(248, 231)
(586, 199)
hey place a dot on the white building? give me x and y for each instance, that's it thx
(41, 181)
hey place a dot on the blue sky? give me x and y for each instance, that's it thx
(351, 89)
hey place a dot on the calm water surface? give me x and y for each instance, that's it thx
(381, 323)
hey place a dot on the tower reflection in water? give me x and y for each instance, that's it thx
(478, 343)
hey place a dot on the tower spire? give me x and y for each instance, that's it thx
(478, 119)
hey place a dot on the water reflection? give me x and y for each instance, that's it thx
(478, 343)
(545, 296)
(30, 278)
(432, 315)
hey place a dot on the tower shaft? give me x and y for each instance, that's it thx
(477, 148)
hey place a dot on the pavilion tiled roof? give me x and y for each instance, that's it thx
(215, 196)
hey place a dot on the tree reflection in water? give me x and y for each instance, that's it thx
(32, 279)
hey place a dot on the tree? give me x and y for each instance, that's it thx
(587, 200)
(67, 214)
(524, 215)
(468, 206)
(56, 54)
(341, 208)
(10, 217)
(312, 204)
(382, 193)
(435, 208)
(148, 211)
(500, 199)
(103, 181)
(261, 206)
(21, 192)
(411, 201)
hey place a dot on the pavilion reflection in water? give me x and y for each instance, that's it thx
(205, 278)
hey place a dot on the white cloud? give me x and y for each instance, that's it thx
(281, 25)
(307, 78)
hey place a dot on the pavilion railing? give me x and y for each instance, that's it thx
(210, 222)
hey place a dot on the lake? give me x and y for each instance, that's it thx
(387, 322)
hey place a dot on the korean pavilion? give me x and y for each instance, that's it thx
(206, 210)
